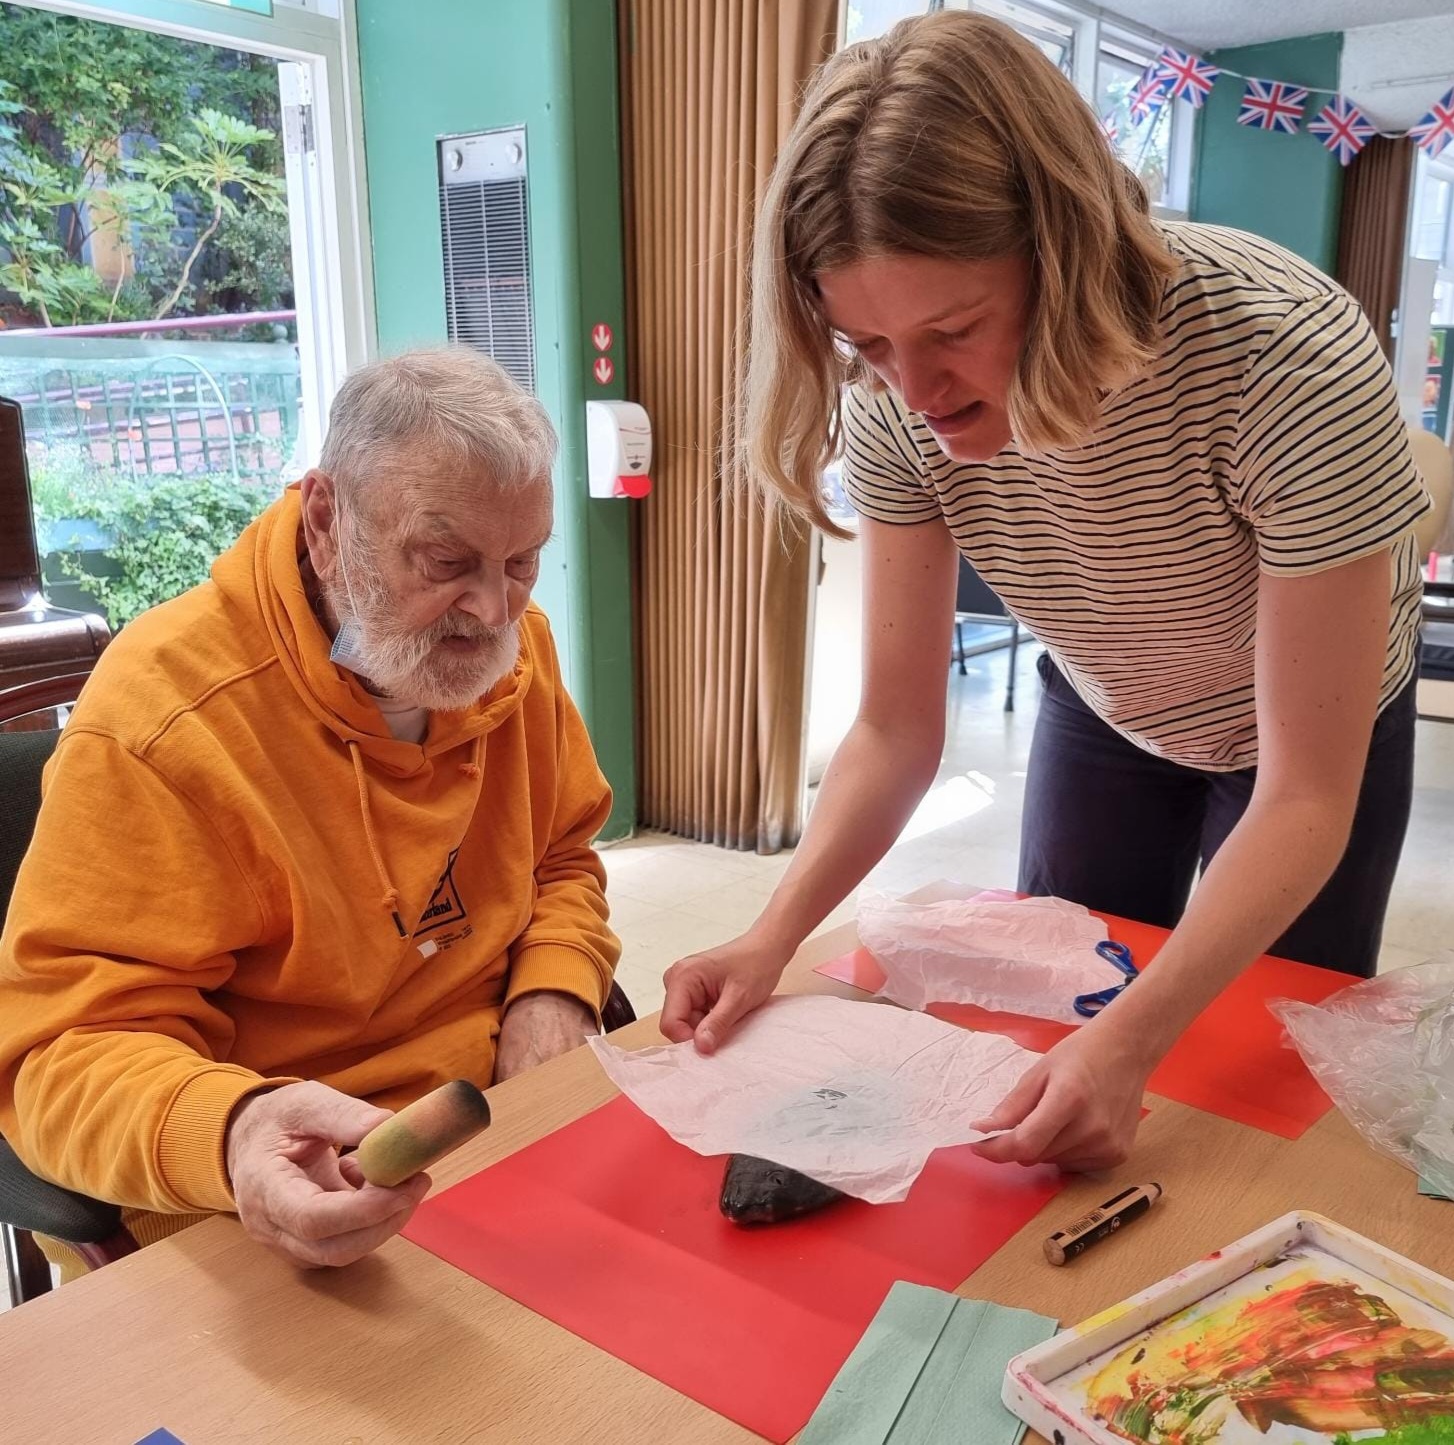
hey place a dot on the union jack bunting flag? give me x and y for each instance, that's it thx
(1191, 76)
(1343, 128)
(1110, 129)
(1436, 129)
(1150, 93)
(1272, 105)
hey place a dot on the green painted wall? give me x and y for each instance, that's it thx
(1284, 187)
(551, 66)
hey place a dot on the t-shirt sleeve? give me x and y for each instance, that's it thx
(1325, 473)
(882, 474)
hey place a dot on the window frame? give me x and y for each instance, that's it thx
(1053, 14)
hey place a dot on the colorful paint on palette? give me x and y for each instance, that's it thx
(1327, 1358)
(1434, 1432)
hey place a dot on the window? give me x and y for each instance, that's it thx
(1430, 231)
(1145, 147)
(1054, 34)
(868, 19)
(222, 344)
(1425, 360)
(1431, 234)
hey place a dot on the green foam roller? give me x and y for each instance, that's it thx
(422, 1133)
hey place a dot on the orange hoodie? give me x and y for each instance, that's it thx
(240, 878)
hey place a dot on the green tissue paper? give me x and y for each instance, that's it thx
(928, 1369)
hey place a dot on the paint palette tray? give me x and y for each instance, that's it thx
(1302, 1333)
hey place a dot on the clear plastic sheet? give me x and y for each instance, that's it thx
(1383, 1050)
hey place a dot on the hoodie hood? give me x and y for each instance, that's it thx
(261, 575)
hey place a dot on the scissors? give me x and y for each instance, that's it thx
(1088, 1005)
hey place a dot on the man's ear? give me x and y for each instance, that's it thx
(320, 521)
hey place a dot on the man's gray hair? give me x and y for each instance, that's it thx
(460, 410)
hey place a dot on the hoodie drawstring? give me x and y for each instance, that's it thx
(471, 769)
(391, 894)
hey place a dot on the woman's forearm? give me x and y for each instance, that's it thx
(871, 787)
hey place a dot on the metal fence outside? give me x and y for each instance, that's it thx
(159, 407)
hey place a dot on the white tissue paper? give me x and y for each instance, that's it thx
(854, 1095)
(953, 944)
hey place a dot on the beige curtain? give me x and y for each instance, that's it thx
(709, 89)
(1371, 228)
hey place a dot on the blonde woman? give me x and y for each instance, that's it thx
(1174, 451)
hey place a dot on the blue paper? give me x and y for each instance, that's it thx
(159, 1437)
(1426, 1188)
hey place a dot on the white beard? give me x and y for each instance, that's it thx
(409, 665)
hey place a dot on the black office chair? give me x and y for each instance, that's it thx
(30, 1205)
(975, 601)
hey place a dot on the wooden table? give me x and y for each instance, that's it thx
(214, 1338)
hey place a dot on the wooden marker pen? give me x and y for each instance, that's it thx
(1099, 1224)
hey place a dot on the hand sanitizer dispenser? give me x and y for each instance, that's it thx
(618, 449)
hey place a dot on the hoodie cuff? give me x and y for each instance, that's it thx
(556, 968)
(191, 1151)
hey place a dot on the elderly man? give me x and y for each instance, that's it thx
(316, 839)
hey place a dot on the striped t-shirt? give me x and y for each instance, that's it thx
(1266, 435)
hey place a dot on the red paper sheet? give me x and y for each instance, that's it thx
(1230, 1062)
(611, 1229)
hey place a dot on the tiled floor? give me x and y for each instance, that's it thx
(670, 897)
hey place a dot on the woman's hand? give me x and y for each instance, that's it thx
(878, 774)
(708, 993)
(1078, 1107)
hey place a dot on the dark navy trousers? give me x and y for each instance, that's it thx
(1113, 827)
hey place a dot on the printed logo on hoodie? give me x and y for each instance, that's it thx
(444, 905)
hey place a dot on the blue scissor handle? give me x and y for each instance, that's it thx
(1088, 1005)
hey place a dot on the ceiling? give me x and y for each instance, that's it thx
(1209, 24)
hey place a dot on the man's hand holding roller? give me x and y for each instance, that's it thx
(294, 1192)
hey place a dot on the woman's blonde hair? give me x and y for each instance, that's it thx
(954, 137)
